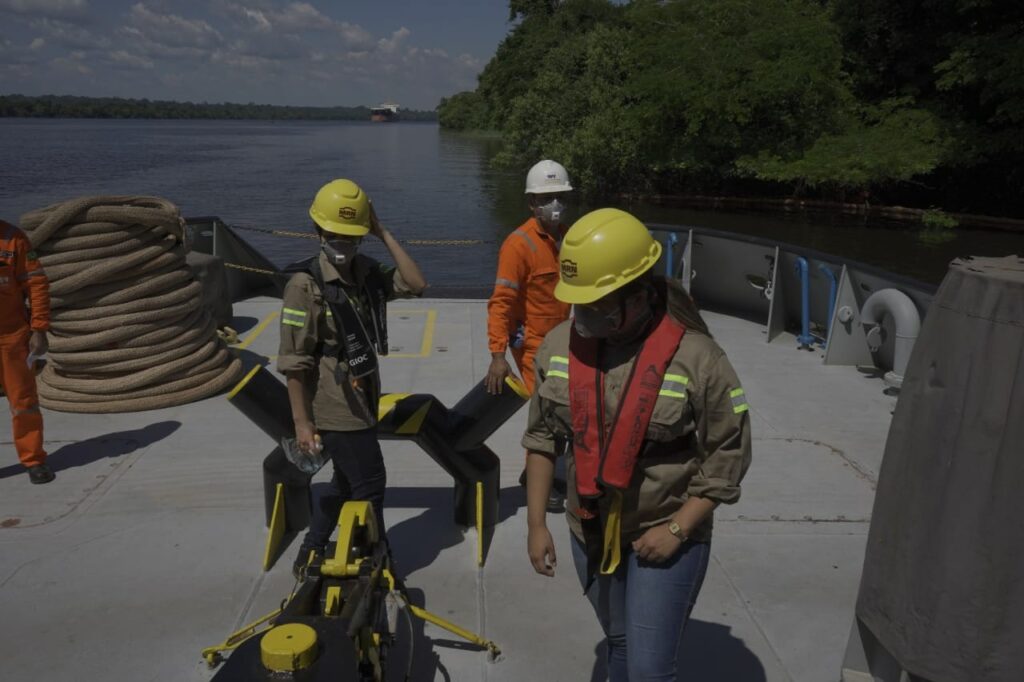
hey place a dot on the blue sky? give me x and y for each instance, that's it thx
(268, 51)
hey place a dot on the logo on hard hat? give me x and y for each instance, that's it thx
(346, 213)
(569, 269)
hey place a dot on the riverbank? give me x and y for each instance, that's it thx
(908, 217)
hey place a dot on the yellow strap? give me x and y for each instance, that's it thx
(613, 536)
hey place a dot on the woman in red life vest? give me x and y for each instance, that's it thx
(656, 431)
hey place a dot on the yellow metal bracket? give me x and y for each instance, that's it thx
(493, 650)
(276, 531)
(213, 655)
(354, 514)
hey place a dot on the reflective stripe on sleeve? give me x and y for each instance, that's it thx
(558, 367)
(739, 401)
(34, 273)
(502, 282)
(526, 238)
(674, 386)
(293, 317)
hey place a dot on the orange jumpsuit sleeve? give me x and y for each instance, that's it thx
(32, 281)
(505, 307)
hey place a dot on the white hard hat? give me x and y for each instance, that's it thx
(546, 177)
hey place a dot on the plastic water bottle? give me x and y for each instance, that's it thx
(307, 461)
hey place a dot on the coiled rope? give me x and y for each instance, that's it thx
(128, 331)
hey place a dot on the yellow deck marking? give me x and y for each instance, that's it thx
(258, 330)
(428, 333)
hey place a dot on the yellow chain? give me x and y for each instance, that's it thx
(415, 242)
(443, 242)
(246, 268)
(288, 233)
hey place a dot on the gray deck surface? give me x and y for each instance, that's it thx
(148, 546)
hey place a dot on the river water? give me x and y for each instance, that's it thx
(427, 184)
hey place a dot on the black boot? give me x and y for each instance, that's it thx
(41, 473)
(302, 560)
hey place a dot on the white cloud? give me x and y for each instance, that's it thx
(300, 16)
(72, 65)
(172, 30)
(131, 61)
(270, 47)
(258, 18)
(395, 41)
(46, 8)
(70, 36)
(37, 44)
(355, 36)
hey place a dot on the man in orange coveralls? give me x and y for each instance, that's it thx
(23, 338)
(523, 307)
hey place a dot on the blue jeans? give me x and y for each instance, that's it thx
(646, 606)
(359, 474)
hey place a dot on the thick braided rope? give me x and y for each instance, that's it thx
(128, 329)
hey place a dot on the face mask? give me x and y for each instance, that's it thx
(638, 315)
(552, 213)
(622, 324)
(340, 251)
(592, 323)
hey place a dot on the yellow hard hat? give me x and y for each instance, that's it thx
(341, 207)
(603, 251)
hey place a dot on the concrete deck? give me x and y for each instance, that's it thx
(148, 546)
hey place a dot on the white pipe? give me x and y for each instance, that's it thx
(908, 326)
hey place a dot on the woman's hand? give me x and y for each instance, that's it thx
(376, 229)
(541, 548)
(657, 545)
(305, 436)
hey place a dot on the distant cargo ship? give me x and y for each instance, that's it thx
(384, 113)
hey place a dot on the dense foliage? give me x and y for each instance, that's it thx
(52, 106)
(920, 101)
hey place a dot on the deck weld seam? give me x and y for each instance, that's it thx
(243, 616)
(481, 613)
(753, 618)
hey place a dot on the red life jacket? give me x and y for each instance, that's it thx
(608, 461)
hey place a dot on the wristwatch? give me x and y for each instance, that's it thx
(674, 528)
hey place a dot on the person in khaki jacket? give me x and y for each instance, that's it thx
(333, 327)
(656, 431)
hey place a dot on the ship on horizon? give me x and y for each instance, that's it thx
(384, 113)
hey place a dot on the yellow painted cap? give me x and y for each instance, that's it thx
(288, 647)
